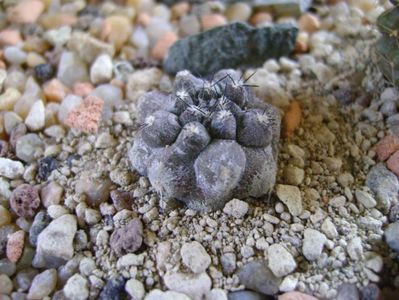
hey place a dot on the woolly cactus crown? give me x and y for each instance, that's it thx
(207, 141)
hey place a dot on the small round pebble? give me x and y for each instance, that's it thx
(135, 289)
(236, 208)
(25, 200)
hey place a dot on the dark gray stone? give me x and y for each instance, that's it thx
(40, 222)
(384, 184)
(114, 289)
(392, 236)
(235, 45)
(257, 276)
(371, 292)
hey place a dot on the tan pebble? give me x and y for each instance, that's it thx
(261, 17)
(82, 89)
(296, 296)
(163, 44)
(143, 19)
(385, 147)
(117, 30)
(55, 90)
(393, 163)
(33, 59)
(2, 64)
(364, 5)
(36, 44)
(211, 21)
(292, 118)
(10, 37)
(56, 20)
(15, 245)
(309, 23)
(180, 9)
(238, 12)
(86, 116)
(26, 11)
(302, 42)
(5, 216)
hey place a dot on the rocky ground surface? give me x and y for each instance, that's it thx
(77, 223)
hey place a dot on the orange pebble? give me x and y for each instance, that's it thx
(55, 90)
(163, 44)
(10, 37)
(211, 21)
(292, 118)
(15, 245)
(309, 23)
(83, 89)
(261, 17)
(87, 115)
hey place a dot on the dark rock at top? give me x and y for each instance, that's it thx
(235, 45)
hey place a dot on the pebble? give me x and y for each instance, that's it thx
(189, 25)
(43, 72)
(313, 244)
(43, 284)
(5, 216)
(135, 289)
(291, 197)
(257, 276)
(392, 236)
(216, 294)
(55, 242)
(393, 163)
(71, 69)
(15, 245)
(58, 37)
(195, 257)
(168, 295)
(329, 229)
(309, 23)
(101, 69)
(7, 267)
(355, 248)
(29, 147)
(347, 291)
(281, 262)
(116, 30)
(236, 208)
(113, 289)
(25, 200)
(337, 201)
(162, 46)
(365, 199)
(11, 169)
(54, 90)
(26, 11)
(76, 288)
(86, 115)
(5, 284)
(294, 175)
(386, 147)
(384, 184)
(296, 296)
(238, 12)
(14, 55)
(10, 37)
(195, 286)
(371, 292)
(212, 21)
(228, 261)
(40, 222)
(292, 118)
(35, 120)
(127, 238)
(289, 283)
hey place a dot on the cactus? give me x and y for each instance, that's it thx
(207, 141)
(387, 47)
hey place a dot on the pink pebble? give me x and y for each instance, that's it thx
(15, 245)
(82, 89)
(86, 116)
(10, 37)
(163, 44)
(211, 21)
(393, 163)
(385, 147)
(27, 11)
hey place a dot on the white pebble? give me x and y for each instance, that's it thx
(36, 118)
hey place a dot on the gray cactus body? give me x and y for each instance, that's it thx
(206, 142)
